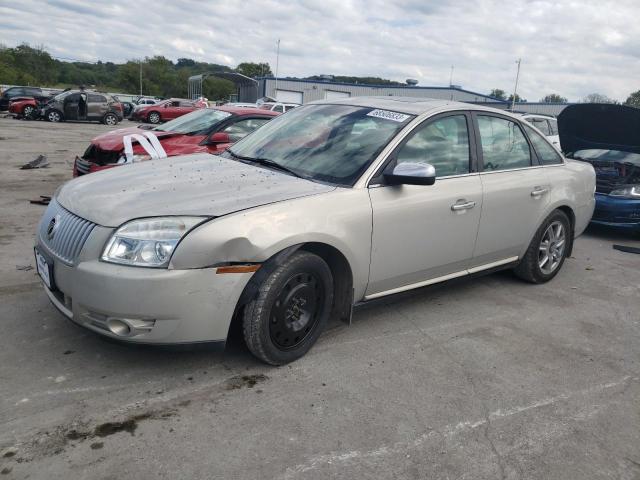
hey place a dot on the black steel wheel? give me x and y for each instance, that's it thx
(290, 310)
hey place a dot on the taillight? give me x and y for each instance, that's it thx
(118, 106)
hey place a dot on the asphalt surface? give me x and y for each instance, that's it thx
(480, 379)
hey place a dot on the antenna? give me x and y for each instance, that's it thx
(277, 64)
(451, 76)
(515, 88)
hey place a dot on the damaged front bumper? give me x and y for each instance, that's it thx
(143, 305)
(618, 212)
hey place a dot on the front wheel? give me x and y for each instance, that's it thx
(154, 117)
(290, 310)
(54, 116)
(28, 111)
(547, 250)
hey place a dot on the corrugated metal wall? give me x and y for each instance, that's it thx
(312, 90)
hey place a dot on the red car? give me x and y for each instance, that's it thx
(209, 130)
(164, 110)
(26, 107)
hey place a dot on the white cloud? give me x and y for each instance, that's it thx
(568, 47)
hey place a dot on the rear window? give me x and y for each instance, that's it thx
(546, 153)
(97, 98)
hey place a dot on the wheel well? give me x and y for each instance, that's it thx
(154, 111)
(572, 220)
(340, 271)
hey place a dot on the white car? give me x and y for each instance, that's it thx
(278, 106)
(335, 203)
(547, 125)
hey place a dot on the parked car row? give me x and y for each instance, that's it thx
(331, 204)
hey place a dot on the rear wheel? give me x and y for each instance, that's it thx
(110, 119)
(547, 250)
(154, 117)
(290, 310)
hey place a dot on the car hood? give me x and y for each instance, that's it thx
(599, 126)
(113, 140)
(199, 184)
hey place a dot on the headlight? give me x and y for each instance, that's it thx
(630, 191)
(148, 242)
(136, 158)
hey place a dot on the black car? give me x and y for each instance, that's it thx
(14, 92)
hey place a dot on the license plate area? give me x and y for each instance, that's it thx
(45, 269)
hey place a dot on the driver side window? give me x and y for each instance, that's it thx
(443, 143)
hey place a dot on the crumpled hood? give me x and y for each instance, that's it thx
(199, 184)
(112, 141)
(599, 126)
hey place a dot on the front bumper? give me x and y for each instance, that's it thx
(159, 306)
(616, 212)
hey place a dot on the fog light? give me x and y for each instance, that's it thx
(118, 327)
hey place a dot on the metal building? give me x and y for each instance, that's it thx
(290, 90)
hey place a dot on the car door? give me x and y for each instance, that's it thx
(422, 233)
(515, 190)
(96, 107)
(172, 110)
(71, 103)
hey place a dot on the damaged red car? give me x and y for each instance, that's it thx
(207, 130)
(26, 107)
(164, 110)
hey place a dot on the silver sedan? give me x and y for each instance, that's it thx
(332, 204)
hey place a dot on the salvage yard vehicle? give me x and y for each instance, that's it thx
(15, 92)
(608, 137)
(164, 110)
(546, 124)
(83, 106)
(207, 130)
(335, 203)
(24, 107)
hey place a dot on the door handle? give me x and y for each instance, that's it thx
(462, 205)
(539, 191)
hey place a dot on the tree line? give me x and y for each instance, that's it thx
(632, 100)
(25, 65)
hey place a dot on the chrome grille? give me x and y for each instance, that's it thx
(62, 233)
(82, 166)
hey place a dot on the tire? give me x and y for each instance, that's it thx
(54, 116)
(154, 117)
(110, 119)
(547, 251)
(28, 111)
(277, 327)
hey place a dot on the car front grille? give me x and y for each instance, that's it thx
(62, 233)
(82, 166)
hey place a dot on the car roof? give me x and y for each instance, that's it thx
(410, 105)
(246, 111)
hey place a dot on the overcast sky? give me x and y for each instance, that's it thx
(568, 47)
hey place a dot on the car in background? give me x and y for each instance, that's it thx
(206, 130)
(146, 101)
(278, 106)
(83, 106)
(241, 104)
(164, 111)
(15, 92)
(607, 137)
(24, 107)
(302, 219)
(127, 107)
(546, 124)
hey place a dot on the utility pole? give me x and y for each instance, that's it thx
(140, 77)
(277, 63)
(451, 76)
(515, 89)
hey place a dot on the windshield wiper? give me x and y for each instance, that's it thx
(267, 163)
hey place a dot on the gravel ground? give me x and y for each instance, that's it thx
(479, 379)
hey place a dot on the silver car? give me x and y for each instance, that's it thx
(333, 204)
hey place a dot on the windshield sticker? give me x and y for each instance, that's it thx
(388, 115)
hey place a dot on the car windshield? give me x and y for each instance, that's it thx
(63, 95)
(198, 122)
(607, 156)
(330, 143)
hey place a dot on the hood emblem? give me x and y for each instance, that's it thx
(54, 224)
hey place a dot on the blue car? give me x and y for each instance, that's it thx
(608, 137)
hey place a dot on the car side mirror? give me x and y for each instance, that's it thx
(411, 173)
(220, 137)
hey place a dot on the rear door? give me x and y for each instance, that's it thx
(97, 107)
(172, 110)
(516, 190)
(427, 232)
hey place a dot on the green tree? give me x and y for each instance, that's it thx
(633, 100)
(254, 70)
(598, 98)
(498, 93)
(553, 98)
(519, 99)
